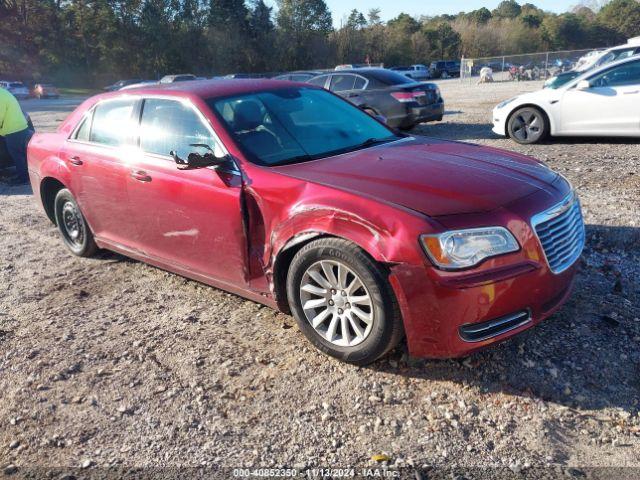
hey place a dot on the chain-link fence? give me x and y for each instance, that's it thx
(530, 66)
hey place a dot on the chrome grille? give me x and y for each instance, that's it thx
(476, 332)
(560, 230)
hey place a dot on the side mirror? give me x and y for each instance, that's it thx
(583, 85)
(197, 160)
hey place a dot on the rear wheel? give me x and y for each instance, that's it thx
(73, 227)
(528, 125)
(343, 302)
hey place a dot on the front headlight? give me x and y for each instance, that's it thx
(506, 102)
(465, 248)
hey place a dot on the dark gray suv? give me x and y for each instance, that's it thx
(444, 69)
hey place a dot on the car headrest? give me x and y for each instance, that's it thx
(247, 115)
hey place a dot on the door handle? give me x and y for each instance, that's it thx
(631, 93)
(75, 160)
(140, 175)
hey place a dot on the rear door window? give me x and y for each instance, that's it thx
(341, 83)
(171, 126)
(300, 77)
(360, 83)
(318, 81)
(113, 123)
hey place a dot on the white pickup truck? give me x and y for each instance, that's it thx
(417, 72)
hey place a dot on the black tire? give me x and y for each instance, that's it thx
(386, 325)
(528, 125)
(72, 225)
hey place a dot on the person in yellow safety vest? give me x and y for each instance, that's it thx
(15, 130)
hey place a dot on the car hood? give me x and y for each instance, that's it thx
(434, 177)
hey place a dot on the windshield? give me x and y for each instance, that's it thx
(297, 124)
(560, 80)
(16, 85)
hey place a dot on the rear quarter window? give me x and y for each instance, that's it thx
(82, 133)
(112, 123)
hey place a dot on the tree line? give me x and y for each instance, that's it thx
(90, 42)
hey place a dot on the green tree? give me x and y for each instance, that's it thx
(565, 31)
(482, 15)
(373, 17)
(398, 39)
(262, 34)
(507, 9)
(303, 28)
(622, 16)
(227, 34)
(356, 20)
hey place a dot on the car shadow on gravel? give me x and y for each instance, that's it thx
(476, 132)
(9, 190)
(585, 356)
(455, 131)
(592, 141)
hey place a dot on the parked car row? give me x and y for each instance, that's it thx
(22, 92)
(439, 69)
(417, 72)
(401, 100)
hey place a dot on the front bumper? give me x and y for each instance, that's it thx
(488, 301)
(434, 313)
(499, 118)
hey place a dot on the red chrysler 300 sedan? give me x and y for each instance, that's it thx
(290, 196)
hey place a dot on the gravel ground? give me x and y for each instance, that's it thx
(107, 362)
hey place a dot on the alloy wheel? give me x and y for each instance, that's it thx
(527, 125)
(336, 303)
(72, 224)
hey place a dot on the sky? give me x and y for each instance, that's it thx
(391, 8)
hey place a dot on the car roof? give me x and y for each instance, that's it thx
(360, 71)
(625, 46)
(209, 88)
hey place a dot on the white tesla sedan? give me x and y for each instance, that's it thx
(601, 102)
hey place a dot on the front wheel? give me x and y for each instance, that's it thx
(527, 125)
(72, 225)
(342, 301)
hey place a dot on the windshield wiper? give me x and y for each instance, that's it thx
(369, 142)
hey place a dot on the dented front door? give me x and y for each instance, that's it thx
(189, 219)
